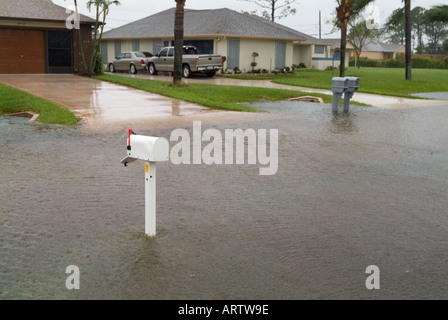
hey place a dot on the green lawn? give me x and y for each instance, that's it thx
(385, 81)
(213, 96)
(14, 100)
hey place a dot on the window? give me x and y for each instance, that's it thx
(117, 48)
(203, 46)
(171, 52)
(136, 45)
(319, 49)
(163, 52)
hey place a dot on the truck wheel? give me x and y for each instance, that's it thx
(112, 68)
(186, 71)
(133, 69)
(152, 69)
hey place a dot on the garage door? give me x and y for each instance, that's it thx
(22, 51)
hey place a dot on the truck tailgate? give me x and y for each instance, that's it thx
(209, 60)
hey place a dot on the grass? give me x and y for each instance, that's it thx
(384, 81)
(14, 100)
(213, 96)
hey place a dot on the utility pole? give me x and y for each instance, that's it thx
(320, 24)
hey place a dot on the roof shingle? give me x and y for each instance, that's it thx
(219, 22)
(44, 10)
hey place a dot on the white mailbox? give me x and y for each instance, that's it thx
(151, 150)
(146, 148)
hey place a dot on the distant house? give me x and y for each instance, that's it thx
(382, 51)
(221, 31)
(34, 38)
(322, 53)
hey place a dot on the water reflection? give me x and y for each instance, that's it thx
(175, 105)
(343, 123)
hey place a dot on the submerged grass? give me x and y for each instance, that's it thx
(13, 100)
(210, 95)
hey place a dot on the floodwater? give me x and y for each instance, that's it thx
(352, 190)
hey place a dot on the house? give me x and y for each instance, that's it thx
(34, 38)
(322, 53)
(220, 31)
(382, 51)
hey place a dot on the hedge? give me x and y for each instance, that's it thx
(416, 62)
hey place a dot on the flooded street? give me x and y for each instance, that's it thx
(352, 190)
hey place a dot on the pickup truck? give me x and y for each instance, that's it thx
(192, 62)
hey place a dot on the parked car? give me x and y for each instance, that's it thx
(192, 62)
(132, 61)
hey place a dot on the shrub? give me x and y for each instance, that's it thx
(393, 63)
(99, 68)
(423, 62)
(416, 62)
(352, 62)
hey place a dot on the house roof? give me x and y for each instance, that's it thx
(218, 22)
(382, 47)
(43, 10)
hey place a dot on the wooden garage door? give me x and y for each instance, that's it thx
(22, 51)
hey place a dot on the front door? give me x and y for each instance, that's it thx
(233, 53)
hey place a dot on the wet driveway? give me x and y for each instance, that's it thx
(99, 101)
(352, 190)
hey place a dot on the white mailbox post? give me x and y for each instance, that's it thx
(151, 150)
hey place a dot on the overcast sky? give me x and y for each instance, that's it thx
(306, 19)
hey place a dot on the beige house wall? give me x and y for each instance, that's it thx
(375, 55)
(265, 50)
(264, 47)
(147, 45)
(302, 54)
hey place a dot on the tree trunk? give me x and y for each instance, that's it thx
(178, 41)
(80, 39)
(407, 13)
(343, 47)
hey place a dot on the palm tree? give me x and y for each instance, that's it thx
(346, 9)
(408, 35)
(80, 38)
(178, 41)
(102, 10)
